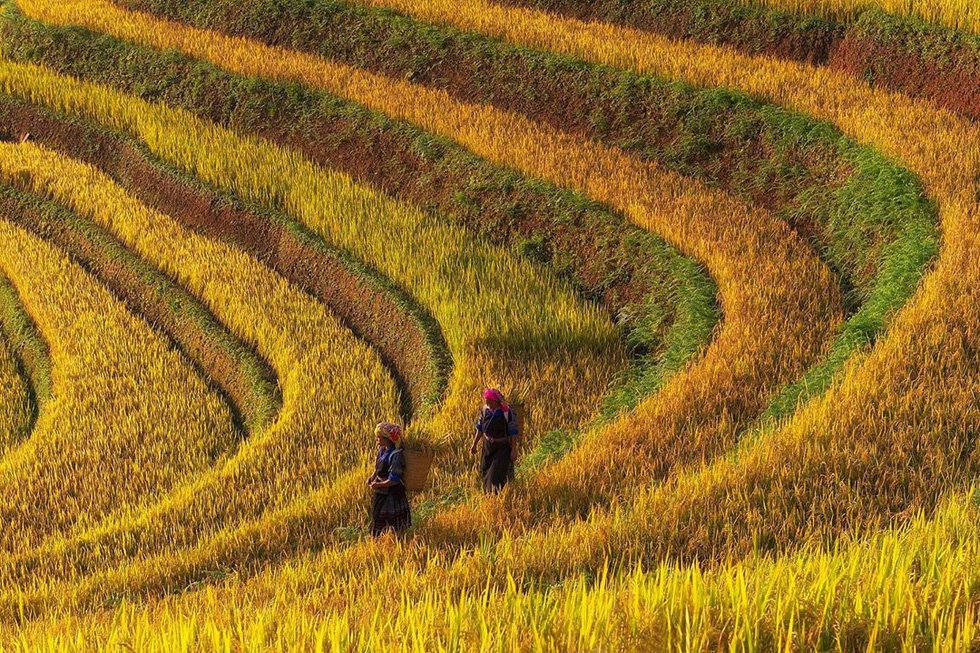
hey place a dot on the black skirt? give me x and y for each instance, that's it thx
(497, 466)
(390, 511)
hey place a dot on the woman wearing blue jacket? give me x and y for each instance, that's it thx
(497, 428)
(389, 509)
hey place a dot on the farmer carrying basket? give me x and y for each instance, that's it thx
(389, 509)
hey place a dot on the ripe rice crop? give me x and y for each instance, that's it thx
(293, 528)
(186, 532)
(98, 353)
(853, 433)
(15, 404)
(907, 585)
(663, 302)
(850, 525)
(875, 230)
(391, 322)
(304, 344)
(537, 316)
(231, 368)
(749, 253)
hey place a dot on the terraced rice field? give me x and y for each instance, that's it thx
(726, 254)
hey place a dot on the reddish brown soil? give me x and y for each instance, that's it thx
(369, 311)
(952, 83)
(950, 80)
(730, 26)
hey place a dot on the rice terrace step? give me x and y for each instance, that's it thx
(489, 325)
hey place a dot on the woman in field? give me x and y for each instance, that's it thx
(389, 509)
(497, 427)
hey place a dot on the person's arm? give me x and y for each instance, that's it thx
(378, 484)
(396, 468)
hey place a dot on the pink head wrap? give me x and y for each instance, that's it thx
(492, 394)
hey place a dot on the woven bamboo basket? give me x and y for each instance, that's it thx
(417, 466)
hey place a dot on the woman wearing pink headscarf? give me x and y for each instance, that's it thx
(497, 428)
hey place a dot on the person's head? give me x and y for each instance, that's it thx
(493, 399)
(389, 435)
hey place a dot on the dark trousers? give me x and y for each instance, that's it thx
(497, 466)
(390, 511)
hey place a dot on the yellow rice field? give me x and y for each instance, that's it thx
(731, 240)
(15, 409)
(298, 337)
(99, 351)
(174, 521)
(850, 525)
(863, 429)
